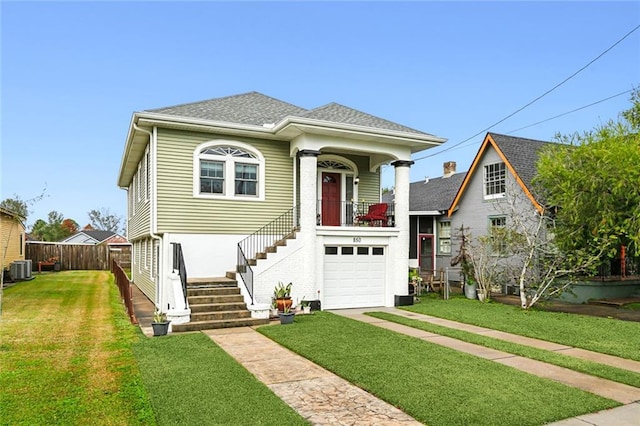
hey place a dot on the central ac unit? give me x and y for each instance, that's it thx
(17, 269)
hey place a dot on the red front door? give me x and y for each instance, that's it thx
(331, 199)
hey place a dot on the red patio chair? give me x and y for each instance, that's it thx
(377, 214)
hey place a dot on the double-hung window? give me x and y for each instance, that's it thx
(211, 177)
(497, 229)
(494, 180)
(225, 169)
(444, 237)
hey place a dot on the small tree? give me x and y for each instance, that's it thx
(540, 269)
(104, 220)
(484, 263)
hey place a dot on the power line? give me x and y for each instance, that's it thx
(572, 111)
(458, 146)
(536, 99)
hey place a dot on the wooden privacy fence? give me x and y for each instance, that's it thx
(79, 256)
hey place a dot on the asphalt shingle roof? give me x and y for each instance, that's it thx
(341, 114)
(436, 194)
(254, 108)
(522, 153)
(99, 235)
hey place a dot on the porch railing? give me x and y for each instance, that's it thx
(256, 245)
(180, 267)
(352, 213)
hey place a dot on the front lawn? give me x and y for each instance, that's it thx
(65, 354)
(192, 381)
(69, 356)
(434, 384)
(605, 335)
(555, 358)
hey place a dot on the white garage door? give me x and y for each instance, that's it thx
(354, 276)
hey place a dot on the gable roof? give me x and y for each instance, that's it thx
(97, 236)
(518, 154)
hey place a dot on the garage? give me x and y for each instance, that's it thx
(354, 276)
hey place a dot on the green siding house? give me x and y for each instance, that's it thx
(253, 190)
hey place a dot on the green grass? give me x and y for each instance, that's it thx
(65, 354)
(192, 381)
(576, 364)
(434, 384)
(632, 306)
(605, 335)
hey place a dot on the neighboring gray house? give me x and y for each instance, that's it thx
(429, 226)
(503, 163)
(272, 191)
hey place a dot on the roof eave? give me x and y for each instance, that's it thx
(291, 126)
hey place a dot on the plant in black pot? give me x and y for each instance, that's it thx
(286, 316)
(160, 324)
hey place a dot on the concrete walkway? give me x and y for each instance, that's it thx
(318, 395)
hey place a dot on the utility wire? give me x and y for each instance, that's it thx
(536, 99)
(572, 111)
(539, 122)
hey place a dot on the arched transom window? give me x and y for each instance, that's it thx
(224, 170)
(332, 164)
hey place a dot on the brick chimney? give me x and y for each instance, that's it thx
(449, 168)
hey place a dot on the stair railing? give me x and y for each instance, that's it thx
(267, 236)
(246, 273)
(179, 266)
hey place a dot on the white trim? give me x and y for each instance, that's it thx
(147, 173)
(229, 171)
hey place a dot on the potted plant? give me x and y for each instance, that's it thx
(306, 306)
(160, 324)
(274, 307)
(286, 316)
(282, 295)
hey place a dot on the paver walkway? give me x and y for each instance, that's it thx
(318, 395)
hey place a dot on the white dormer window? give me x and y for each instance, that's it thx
(226, 169)
(494, 180)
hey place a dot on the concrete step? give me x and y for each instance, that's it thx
(208, 299)
(216, 307)
(219, 315)
(212, 282)
(214, 324)
(212, 291)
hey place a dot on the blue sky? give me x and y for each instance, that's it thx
(72, 74)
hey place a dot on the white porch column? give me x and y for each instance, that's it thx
(399, 277)
(308, 215)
